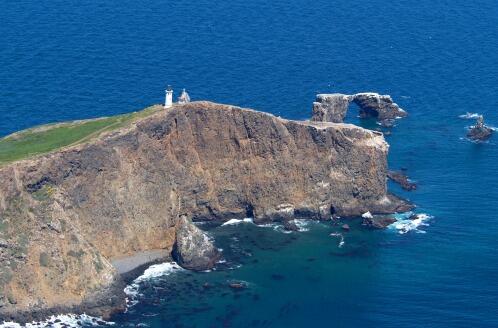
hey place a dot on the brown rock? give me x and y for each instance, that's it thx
(378, 222)
(381, 107)
(400, 178)
(290, 225)
(330, 107)
(125, 191)
(480, 131)
(333, 107)
(193, 250)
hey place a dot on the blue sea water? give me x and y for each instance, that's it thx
(62, 60)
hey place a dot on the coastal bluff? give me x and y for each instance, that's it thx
(65, 215)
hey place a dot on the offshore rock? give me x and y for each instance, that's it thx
(333, 107)
(378, 106)
(330, 107)
(124, 193)
(192, 249)
(377, 222)
(401, 179)
(480, 132)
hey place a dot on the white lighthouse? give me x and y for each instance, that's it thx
(168, 102)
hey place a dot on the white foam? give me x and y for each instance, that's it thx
(64, 320)
(404, 224)
(469, 116)
(238, 221)
(302, 224)
(275, 226)
(154, 271)
(269, 225)
(367, 215)
(341, 238)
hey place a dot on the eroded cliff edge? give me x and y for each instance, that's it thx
(64, 215)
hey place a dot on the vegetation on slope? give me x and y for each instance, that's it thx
(47, 138)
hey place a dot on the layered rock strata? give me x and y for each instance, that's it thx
(66, 215)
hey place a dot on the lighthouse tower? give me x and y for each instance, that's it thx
(168, 102)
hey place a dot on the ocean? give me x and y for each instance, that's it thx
(64, 60)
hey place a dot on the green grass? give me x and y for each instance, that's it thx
(47, 138)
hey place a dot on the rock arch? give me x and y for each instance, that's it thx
(333, 107)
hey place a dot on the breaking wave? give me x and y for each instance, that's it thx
(63, 320)
(302, 224)
(404, 224)
(341, 238)
(154, 271)
(469, 116)
(238, 221)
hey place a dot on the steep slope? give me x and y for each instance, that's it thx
(65, 215)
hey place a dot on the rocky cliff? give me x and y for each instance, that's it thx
(333, 107)
(65, 215)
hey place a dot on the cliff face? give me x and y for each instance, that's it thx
(64, 215)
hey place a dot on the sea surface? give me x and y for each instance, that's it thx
(75, 59)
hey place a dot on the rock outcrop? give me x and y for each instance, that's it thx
(400, 178)
(66, 215)
(480, 131)
(377, 222)
(333, 107)
(378, 106)
(192, 249)
(330, 107)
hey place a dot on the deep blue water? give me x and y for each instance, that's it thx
(62, 60)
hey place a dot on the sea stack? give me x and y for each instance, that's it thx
(192, 249)
(333, 107)
(480, 131)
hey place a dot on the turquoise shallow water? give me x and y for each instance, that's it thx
(73, 59)
(292, 280)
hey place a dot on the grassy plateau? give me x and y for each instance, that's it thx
(46, 138)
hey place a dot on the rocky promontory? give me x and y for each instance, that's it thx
(333, 107)
(65, 216)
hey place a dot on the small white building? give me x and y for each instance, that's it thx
(184, 97)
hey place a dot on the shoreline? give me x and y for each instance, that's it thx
(105, 303)
(129, 267)
(112, 299)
